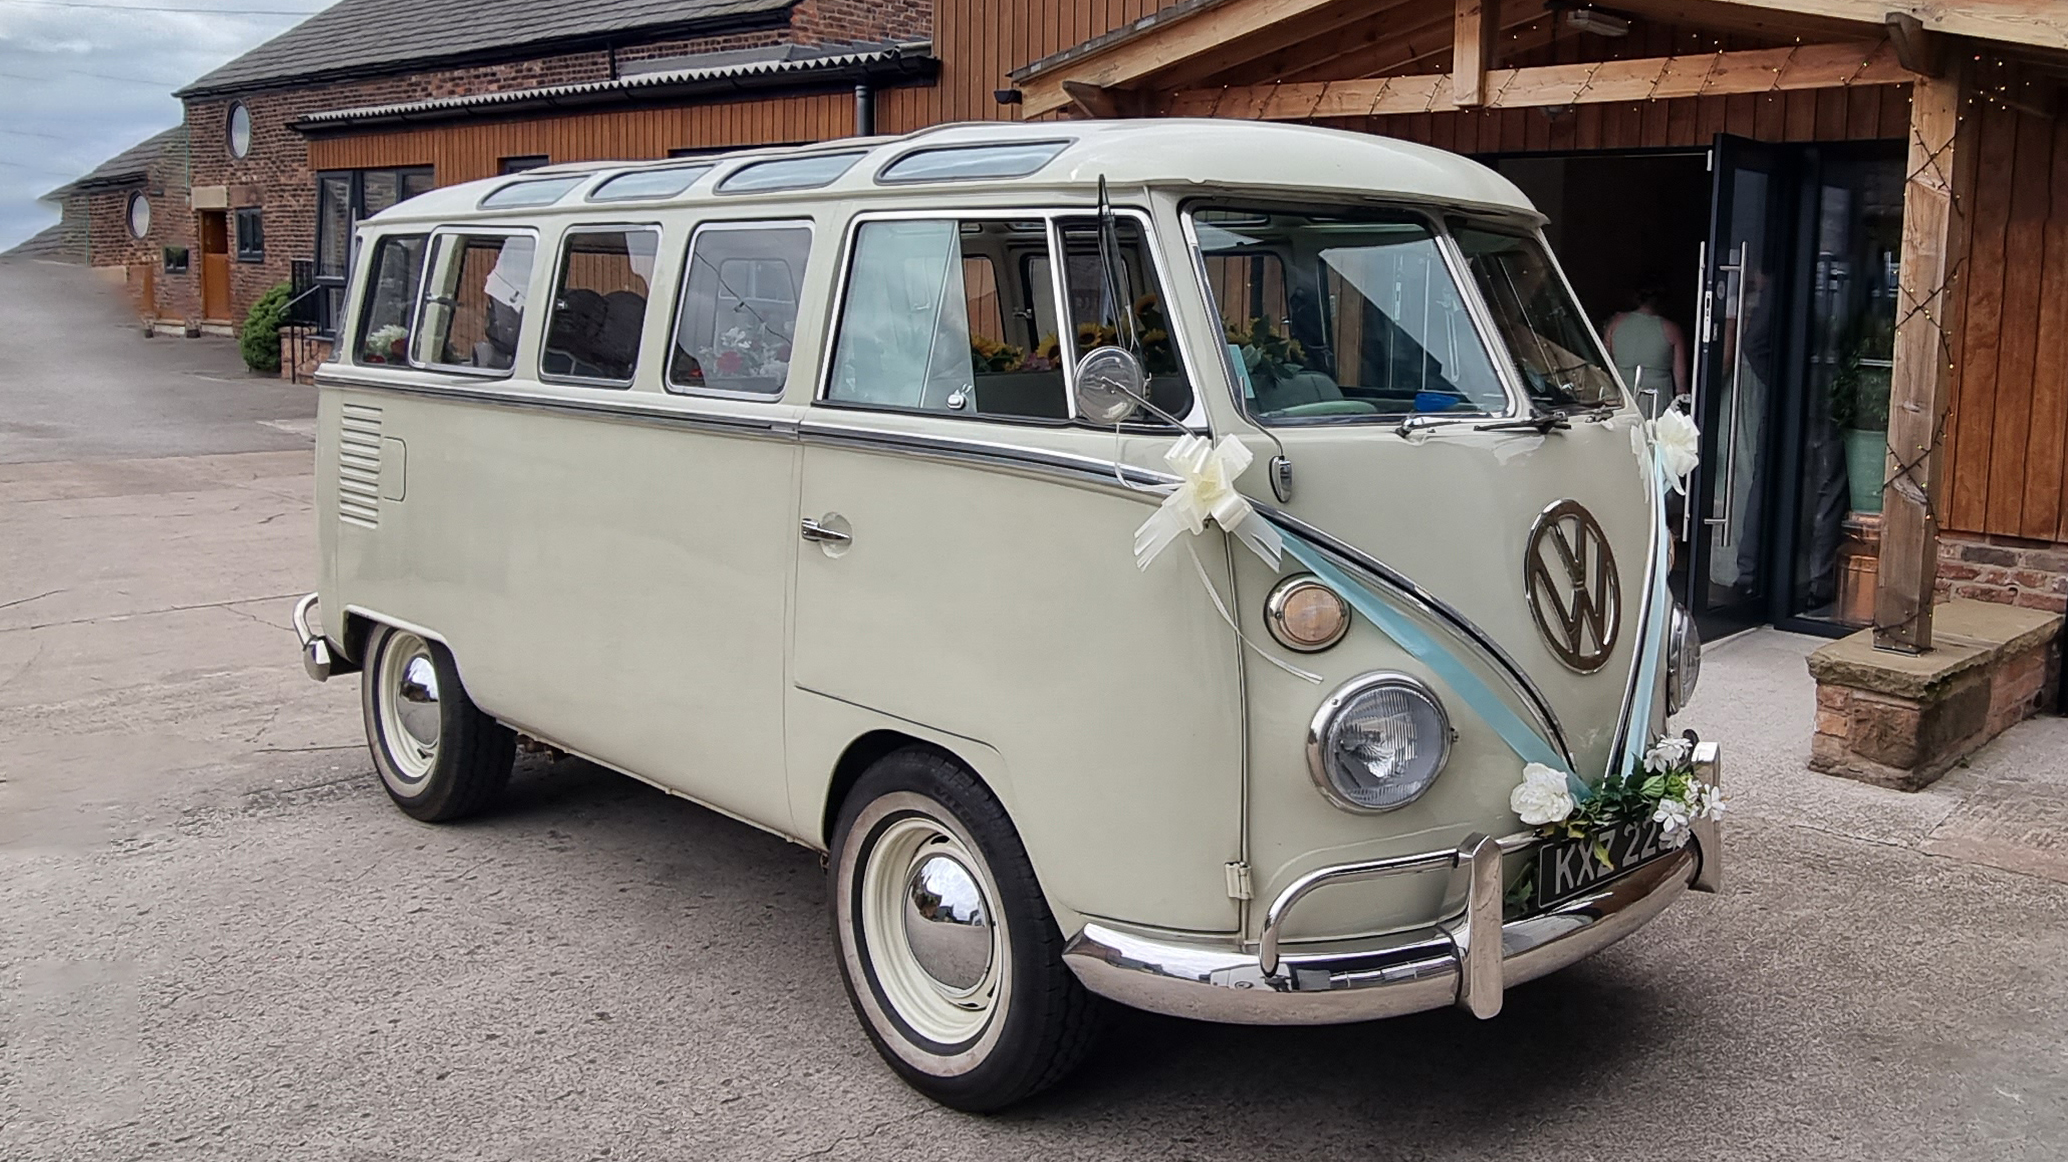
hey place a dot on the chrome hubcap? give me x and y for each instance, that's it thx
(929, 924)
(947, 926)
(410, 713)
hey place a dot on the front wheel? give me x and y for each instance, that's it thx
(438, 755)
(947, 948)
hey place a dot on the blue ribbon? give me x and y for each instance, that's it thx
(1658, 610)
(1526, 741)
(1522, 738)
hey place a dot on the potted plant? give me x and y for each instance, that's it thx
(1859, 409)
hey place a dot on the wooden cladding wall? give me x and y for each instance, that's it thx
(465, 150)
(977, 41)
(2007, 432)
(1862, 113)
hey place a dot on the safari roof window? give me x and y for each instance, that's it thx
(933, 321)
(473, 307)
(599, 306)
(392, 280)
(1342, 316)
(1560, 363)
(739, 308)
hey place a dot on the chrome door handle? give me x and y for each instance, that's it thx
(816, 532)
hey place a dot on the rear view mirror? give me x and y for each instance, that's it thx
(1111, 384)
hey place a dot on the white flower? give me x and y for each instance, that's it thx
(1542, 796)
(1679, 443)
(1712, 803)
(386, 337)
(1666, 754)
(1673, 816)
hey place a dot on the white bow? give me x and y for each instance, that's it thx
(1677, 441)
(1207, 492)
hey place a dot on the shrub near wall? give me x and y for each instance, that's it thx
(259, 339)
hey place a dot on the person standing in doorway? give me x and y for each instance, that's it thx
(1651, 352)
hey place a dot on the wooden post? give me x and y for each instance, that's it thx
(1934, 240)
(1478, 24)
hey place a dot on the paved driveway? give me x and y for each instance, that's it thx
(218, 940)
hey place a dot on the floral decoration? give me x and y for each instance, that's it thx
(741, 353)
(988, 355)
(1663, 789)
(385, 343)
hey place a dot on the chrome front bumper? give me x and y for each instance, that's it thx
(1468, 960)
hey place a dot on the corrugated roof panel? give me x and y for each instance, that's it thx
(354, 36)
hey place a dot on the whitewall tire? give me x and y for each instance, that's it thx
(950, 956)
(439, 757)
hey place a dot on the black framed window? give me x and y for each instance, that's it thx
(531, 161)
(251, 235)
(343, 197)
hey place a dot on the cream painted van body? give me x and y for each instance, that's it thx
(619, 572)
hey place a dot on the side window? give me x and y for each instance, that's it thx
(739, 309)
(474, 301)
(599, 305)
(392, 280)
(1098, 307)
(929, 323)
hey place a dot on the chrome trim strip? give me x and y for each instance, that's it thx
(1436, 608)
(1121, 478)
(1408, 972)
(1085, 470)
(617, 407)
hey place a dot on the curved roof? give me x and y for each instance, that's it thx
(1160, 152)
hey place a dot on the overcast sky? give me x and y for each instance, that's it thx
(83, 80)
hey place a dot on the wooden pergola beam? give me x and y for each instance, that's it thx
(1808, 66)
(1129, 59)
(2039, 23)
(1472, 50)
(1927, 315)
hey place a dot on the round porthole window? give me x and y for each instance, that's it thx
(240, 130)
(139, 215)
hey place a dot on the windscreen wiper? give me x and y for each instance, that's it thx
(1548, 420)
(1541, 423)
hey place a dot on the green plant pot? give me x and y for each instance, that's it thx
(1866, 458)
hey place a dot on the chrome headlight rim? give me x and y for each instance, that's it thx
(1683, 659)
(1282, 594)
(1333, 705)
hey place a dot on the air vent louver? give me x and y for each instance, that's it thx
(359, 466)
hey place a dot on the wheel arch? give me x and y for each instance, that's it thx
(863, 753)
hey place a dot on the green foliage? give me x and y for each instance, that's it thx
(259, 338)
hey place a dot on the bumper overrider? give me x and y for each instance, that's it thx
(1468, 960)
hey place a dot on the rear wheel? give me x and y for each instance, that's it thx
(438, 755)
(949, 953)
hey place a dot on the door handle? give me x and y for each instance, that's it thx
(1743, 267)
(822, 534)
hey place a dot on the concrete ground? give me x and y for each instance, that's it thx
(219, 941)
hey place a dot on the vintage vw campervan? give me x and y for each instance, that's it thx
(1209, 566)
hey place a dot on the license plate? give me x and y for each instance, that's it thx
(1571, 866)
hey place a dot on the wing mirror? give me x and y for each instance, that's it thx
(1111, 384)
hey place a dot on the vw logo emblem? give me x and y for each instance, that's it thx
(1574, 593)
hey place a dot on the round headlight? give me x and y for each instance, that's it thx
(1306, 615)
(1378, 742)
(1683, 660)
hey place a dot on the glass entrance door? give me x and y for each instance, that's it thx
(1737, 375)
